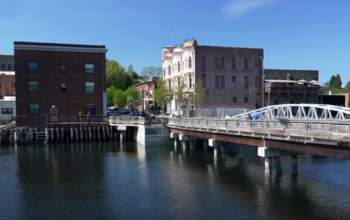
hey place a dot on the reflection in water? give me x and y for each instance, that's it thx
(131, 181)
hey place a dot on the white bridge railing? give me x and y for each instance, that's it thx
(327, 126)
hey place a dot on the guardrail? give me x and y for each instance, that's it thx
(136, 120)
(328, 126)
(67, 119)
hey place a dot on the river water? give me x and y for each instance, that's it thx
(130, 181)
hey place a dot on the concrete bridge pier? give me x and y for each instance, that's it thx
(205, 144)
(122, 136)
(217, 145)
(278, 167)
(268, 165)
(294, 164)
(184, 139)
(241, 152)
(176, 138)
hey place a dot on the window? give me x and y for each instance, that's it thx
(256, 63)
(0, 83)
(233, 82)
(216, 62)
(190, 62)
(246, 63)
(222, 63)
(33, 86)
(190, 82)
(89, 68)
(217, 82)
(204, 80)
(204, 62)
(164, 72)
(90, 108)
(34, 109)
(234, 99)
(256, 82)
(14, 93)
(222, 83)
(233, 65)
(63, 87)
(63, 69)
(89, 86)
(169, 70)
(32, 67)
(246, 85)
(13, 83)
(178, 66)
(9, 67)
(245, 99)
(7, 111)
(3, 66)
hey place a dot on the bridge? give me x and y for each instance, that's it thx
(279, 130)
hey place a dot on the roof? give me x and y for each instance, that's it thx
(290, 69)
(43, 46)
(27, 43)
(280, 81)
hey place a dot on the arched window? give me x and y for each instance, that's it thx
(3, 66)
(190, 82)
(169, 69)
(204, 80)
(178, 66)
(189, 62)
(9, 67)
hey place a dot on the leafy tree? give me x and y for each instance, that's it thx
(133, 97)
(337, 82)
(162, 94)
(152, 71)
(119, 98)
(123, 81)
(331, 81)
(199, 95)
(113, 68)
(347, 86)
(110, 95)
(179, 92)
(334, 91)
(130, 70)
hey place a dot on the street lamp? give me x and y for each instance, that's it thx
(262, 82)
(288, 88)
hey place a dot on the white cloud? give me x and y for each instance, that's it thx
(237, 8)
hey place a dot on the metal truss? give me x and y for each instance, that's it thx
(300, 112)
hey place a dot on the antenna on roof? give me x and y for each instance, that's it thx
(168, 37)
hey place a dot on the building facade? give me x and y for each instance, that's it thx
(7, 62)
(59, 79)
(284, 86)
(8, 110)
(7, 83)
(147, 90)
(231, 75)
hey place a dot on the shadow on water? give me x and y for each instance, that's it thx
(131, 181)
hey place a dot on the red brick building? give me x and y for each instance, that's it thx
(62, 78)
(7, 83)
(147, 90)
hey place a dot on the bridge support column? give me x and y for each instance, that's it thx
(241, 151)
(278, 167)
(205, 144)
(294, 164)
(122, 136)
(268, 165)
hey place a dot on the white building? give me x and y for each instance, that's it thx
(179, 65)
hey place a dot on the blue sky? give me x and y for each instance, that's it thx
(296, 34)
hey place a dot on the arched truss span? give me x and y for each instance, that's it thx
(300, 112)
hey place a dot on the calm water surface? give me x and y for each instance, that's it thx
(110, 181)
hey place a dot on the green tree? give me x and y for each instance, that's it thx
(334, 91)
(162, 94)
(110, 95)
(133, 97)
(337, 82)
(179, 92)
(119, 98)
(347, 86)
(199, 95)
(331, 81)
(130, 70)
(113, 68)
(152, 71)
